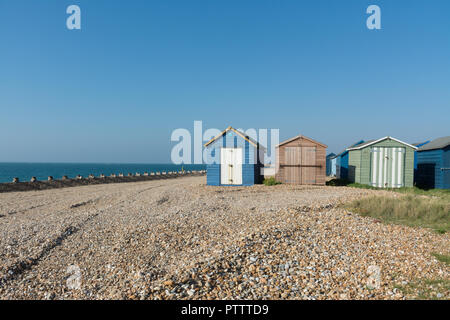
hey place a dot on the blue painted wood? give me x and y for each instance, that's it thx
(328, 163)
(251, 172)
(213, 175)
(446, 172)
(344, 166)
(342, 162)
(333, 167)
(431, 168)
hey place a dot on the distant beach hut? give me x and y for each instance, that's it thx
(301, 160)
(383, 163)
(342, 162)
(331, 169)
(234, 159)
(433, 164)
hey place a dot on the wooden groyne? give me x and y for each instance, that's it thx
(79, 180)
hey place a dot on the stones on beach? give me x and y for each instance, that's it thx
(180, 239)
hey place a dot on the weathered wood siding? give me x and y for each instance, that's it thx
(301, 161)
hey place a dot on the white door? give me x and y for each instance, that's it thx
(387, 167)
(231, 166)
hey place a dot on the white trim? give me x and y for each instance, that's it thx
(362, 146)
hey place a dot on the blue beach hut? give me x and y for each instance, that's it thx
(418, 145)
(433, 164)
(342, 162)
(331, 169)
(333, 166)
(234, 159)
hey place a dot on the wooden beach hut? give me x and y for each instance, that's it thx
(383, 163)
(234, 159)
(301, 160)
(433, 164)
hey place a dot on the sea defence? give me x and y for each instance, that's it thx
(65, 182)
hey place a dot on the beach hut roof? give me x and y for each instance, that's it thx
(371, 142)
(439, 143)
(353, 145)
(419, 144)
(303, 137)
(244, 136)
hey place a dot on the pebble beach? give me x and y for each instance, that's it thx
(181, 239)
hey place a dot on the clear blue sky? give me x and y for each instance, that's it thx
(114, 91)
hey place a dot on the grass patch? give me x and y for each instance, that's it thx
(440, 193)
(442, 258)
(411, 210)
(436, 289)
(271, 181)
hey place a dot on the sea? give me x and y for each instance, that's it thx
(24, 171)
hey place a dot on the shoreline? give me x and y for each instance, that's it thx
(67, 183)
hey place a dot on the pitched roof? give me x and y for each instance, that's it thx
(353, 145)
(370, 142)
(302, 137)
(438, 143)
(245, 137)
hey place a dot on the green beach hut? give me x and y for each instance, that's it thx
(382, 163)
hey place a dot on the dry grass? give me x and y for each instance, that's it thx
(412, 210)
(426, 289)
